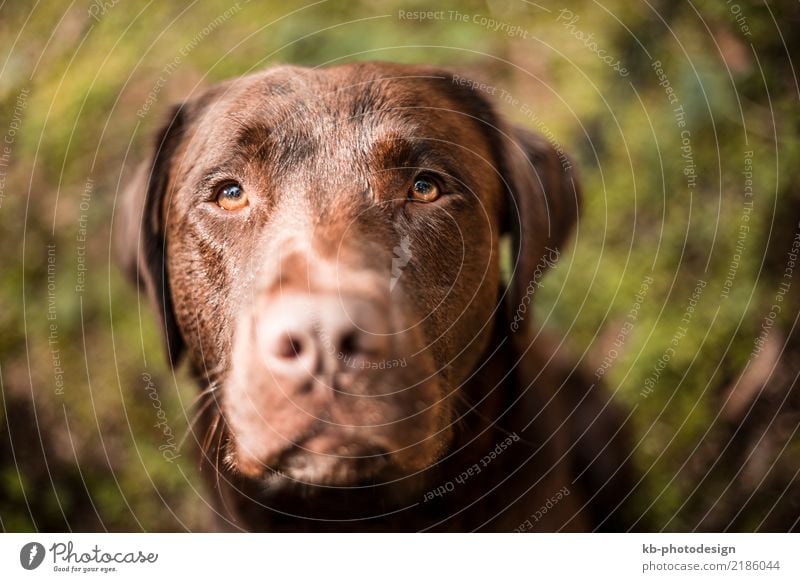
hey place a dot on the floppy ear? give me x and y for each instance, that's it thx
(542, 190)
(141, 237)
(543, 205)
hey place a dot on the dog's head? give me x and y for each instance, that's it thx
(324, 247)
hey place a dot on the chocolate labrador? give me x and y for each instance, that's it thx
(323, 246)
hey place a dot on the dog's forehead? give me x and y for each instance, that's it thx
(345, 92)
(348, 106)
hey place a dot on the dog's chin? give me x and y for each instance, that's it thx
(332, 470)
(334, 483)
(344, 467)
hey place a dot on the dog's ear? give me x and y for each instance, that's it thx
(140, 235)
(543, 195)
(541, 187)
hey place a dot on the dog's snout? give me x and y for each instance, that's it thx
(300, 336)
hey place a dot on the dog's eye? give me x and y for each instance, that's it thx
(424, 189)
(231, 196)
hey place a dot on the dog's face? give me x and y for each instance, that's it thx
(324, 245)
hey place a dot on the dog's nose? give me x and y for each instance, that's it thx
(302, 336)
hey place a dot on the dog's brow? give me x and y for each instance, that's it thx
(253, 135)
(394, 151)
(259, 141)
(392, 148)
(212, 175)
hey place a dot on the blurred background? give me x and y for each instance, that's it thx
(681, 290)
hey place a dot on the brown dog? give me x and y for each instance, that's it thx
(323, 245)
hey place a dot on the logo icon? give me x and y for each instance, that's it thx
(31, 555)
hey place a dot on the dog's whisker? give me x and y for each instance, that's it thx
(218, 449)
(197, 416)
(205, 393)
(212, 375)
(209, 436)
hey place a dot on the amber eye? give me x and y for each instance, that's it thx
(424, 189)
(231, 196)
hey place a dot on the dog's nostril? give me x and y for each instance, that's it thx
(348, 345)
(289, 347)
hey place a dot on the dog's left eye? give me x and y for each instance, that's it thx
(424, 189)
(231, 196)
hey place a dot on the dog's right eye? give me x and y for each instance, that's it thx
(231, 196)
(424, 189)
